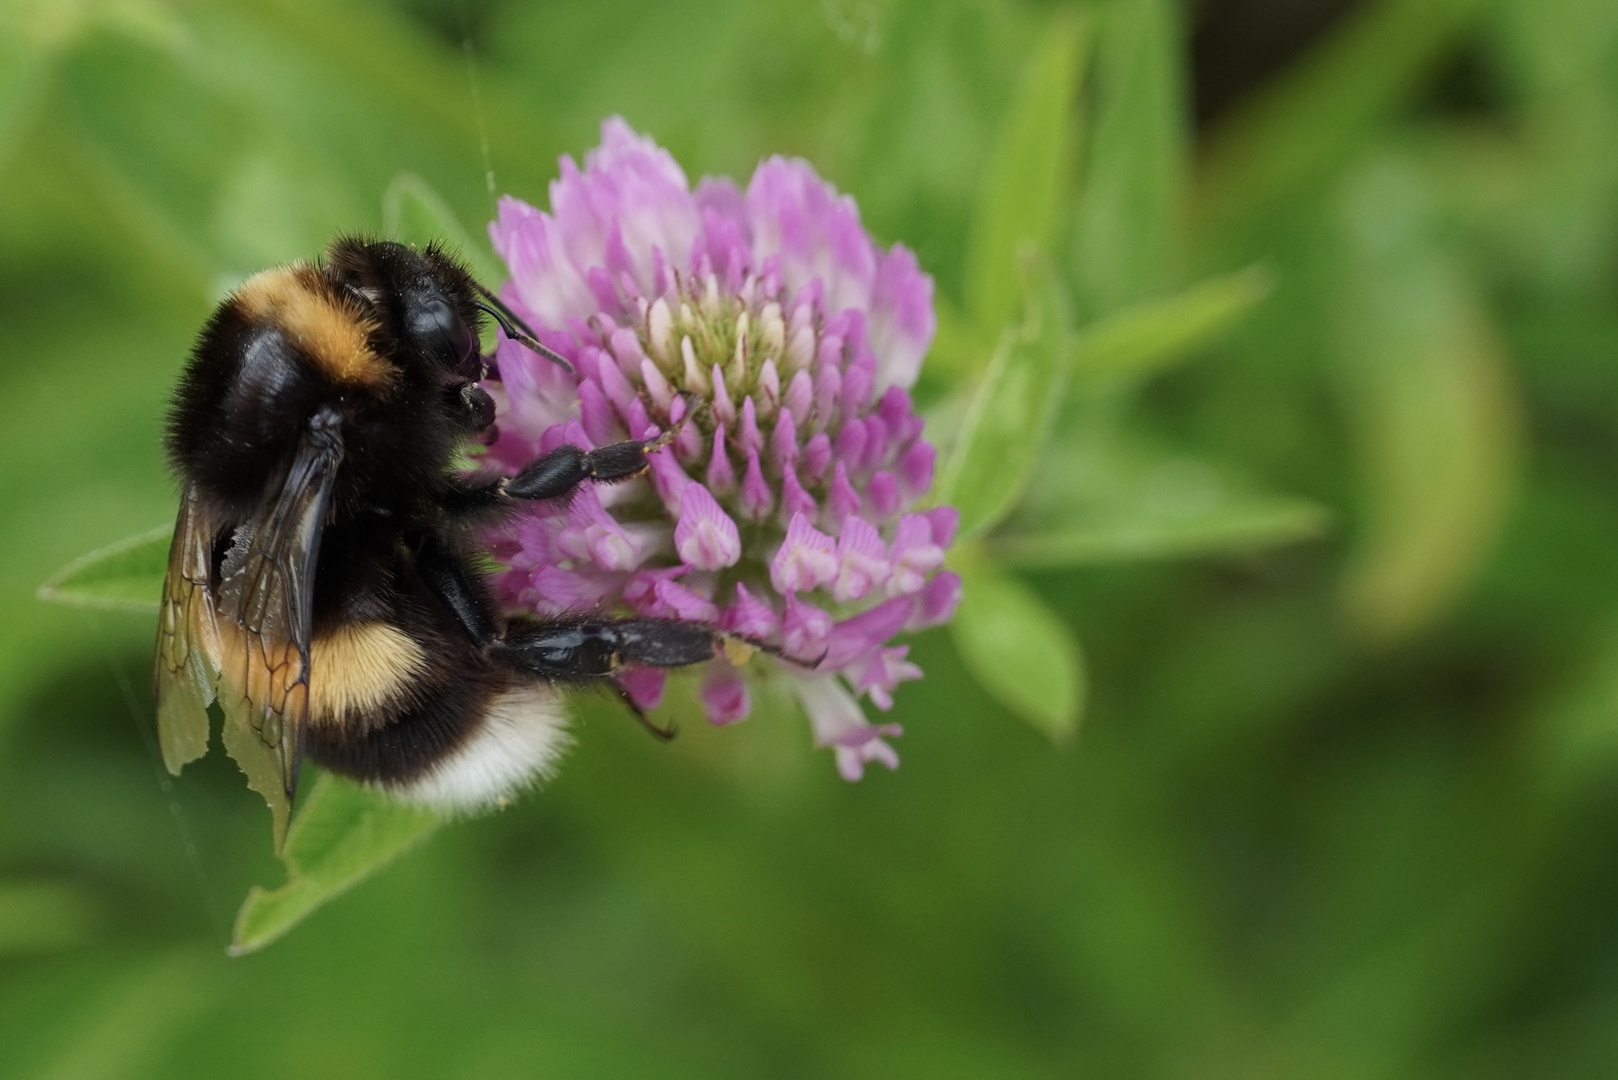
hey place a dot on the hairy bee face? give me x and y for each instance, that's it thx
(425, 299)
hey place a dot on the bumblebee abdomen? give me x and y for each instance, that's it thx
(361, 672)
(466, 744)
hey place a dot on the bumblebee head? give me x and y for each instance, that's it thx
(426, 300)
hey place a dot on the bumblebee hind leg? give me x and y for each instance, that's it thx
(577, 651)
(585, 650)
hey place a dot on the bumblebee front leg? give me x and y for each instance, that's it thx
(553, 476)
(565, 468)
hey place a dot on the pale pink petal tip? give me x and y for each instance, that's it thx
(837, 722)
(807, 558)
(805, 631)
(705, 538)
(751, 617)
(880, 673)
(862, 562)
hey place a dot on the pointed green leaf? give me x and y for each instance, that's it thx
(1239, 526)
(1026, 175)
(961, 348)
(1011, 413)
(1106, 494)
(1127, 228)
(123, 576)
(413, 212)
(1017, 648)
(1146, 337)
(343, 833)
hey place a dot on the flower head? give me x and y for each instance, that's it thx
(777, 342)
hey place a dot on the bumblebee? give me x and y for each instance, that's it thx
(323, 583)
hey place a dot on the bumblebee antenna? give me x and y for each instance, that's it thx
(516, 329)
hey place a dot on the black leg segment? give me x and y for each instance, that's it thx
(593, 650)
(666, 643)
(447, 576)
(565, 468)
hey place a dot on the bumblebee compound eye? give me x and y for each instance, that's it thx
(434, 323)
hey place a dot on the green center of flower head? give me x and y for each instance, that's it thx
(722, 348)
(722, 355)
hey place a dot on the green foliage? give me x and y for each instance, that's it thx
(1336, 531)
(1018, 648)
(1108, 494)
(1011, 413)
(1024, 180)
(416, 214)
(1140, 339)
(123, 576)
(1320, 113)
(1127, 228)
(43, 917)
(1428, 382)
(343, 833)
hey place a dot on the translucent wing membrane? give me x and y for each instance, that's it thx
(187, 640)
(251, 639)
(265, 605)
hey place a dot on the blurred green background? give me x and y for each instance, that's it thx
(1344, 800)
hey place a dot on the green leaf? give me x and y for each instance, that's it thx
(961, 349)
(1104, 494)
(1011, 413)
(1017, 648)
(413, 212)
(1237, 526)
(123, 576)
(1425, 378)
(1127, 230)
(1147, 337)
(342, 834)
(1025, 178)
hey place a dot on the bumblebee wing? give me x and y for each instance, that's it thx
(187, 642)
(266, 604)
